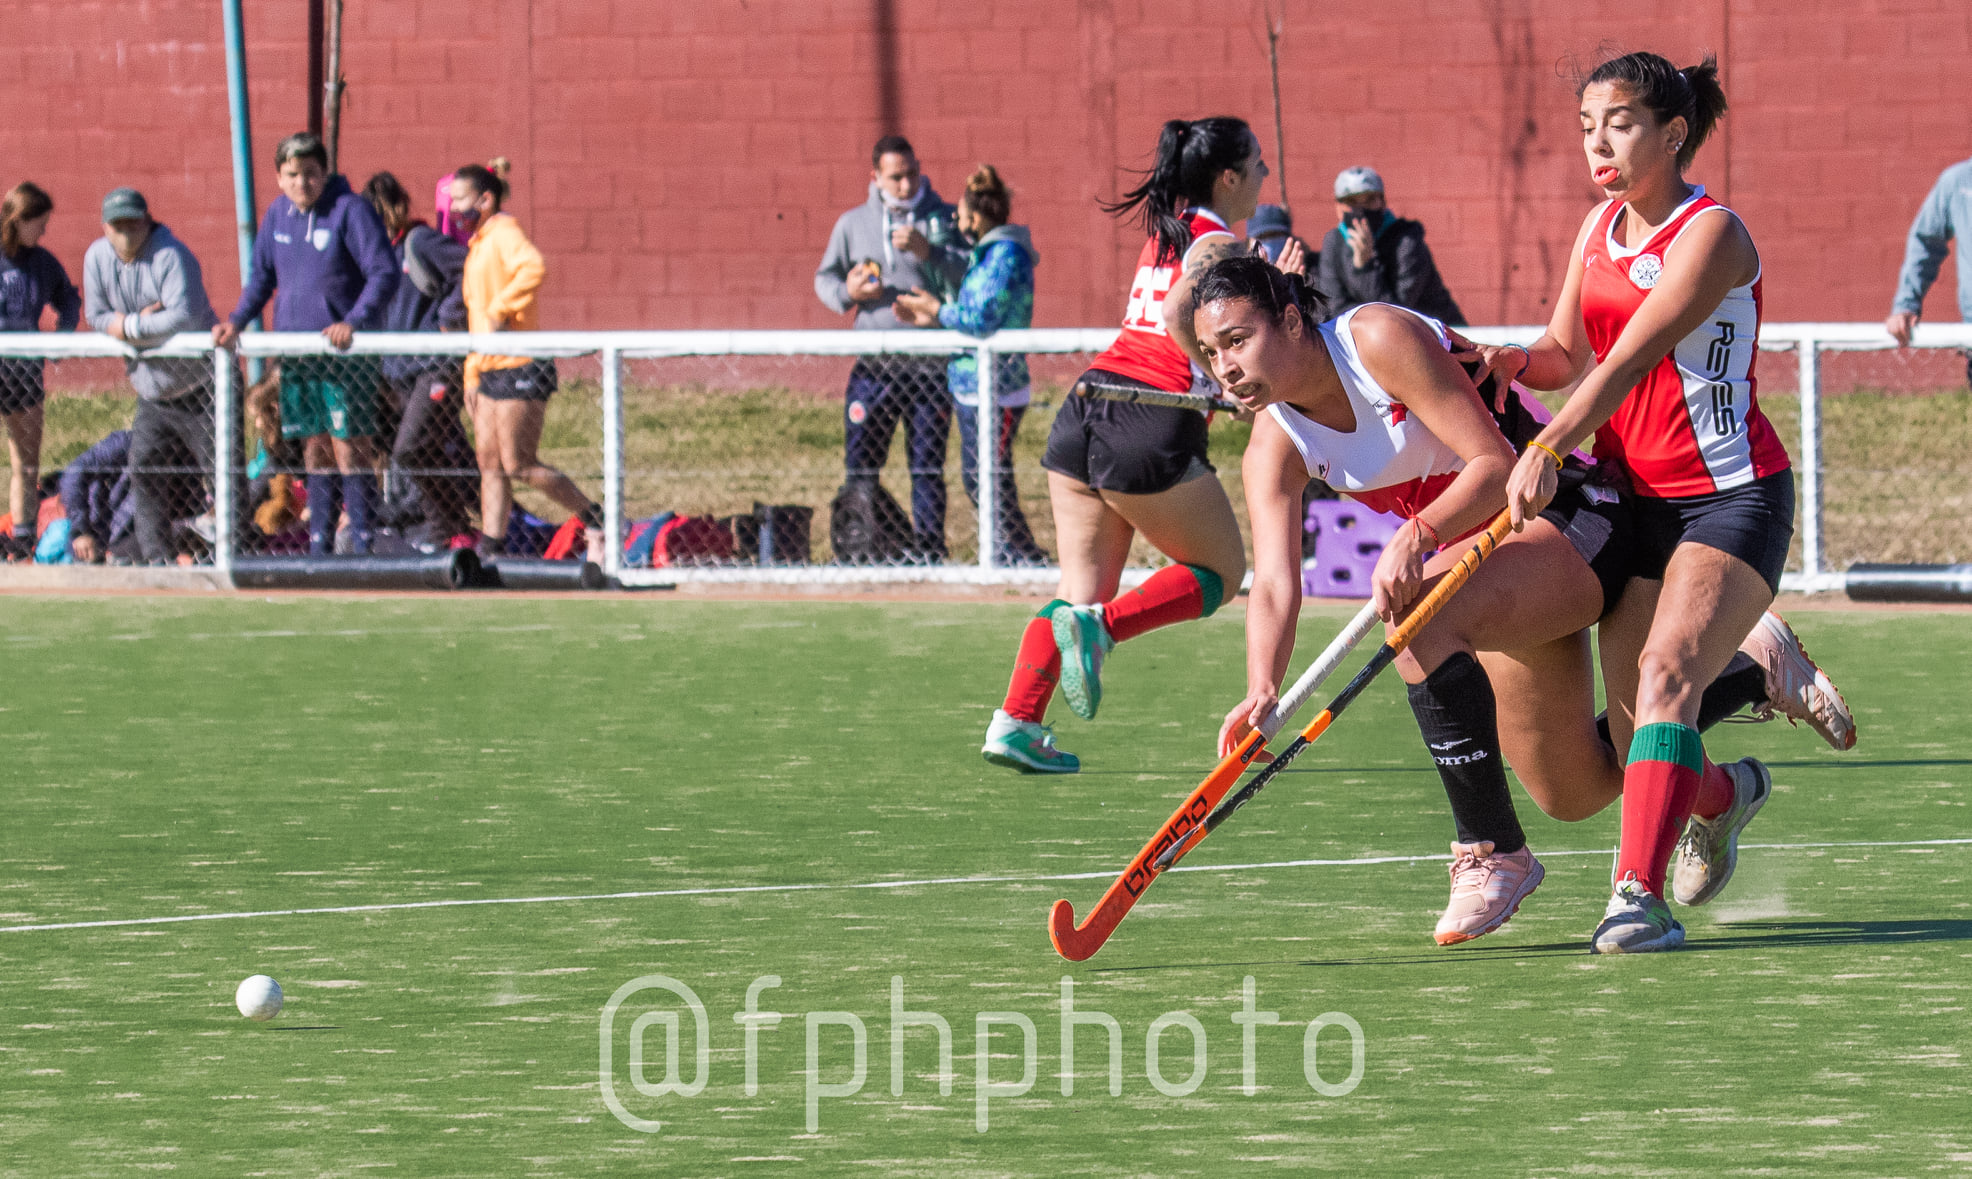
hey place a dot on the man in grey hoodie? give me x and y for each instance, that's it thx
(141, 285)
(902, 238)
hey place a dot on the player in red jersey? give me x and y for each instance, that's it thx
(1373, 403)
(1663, 294)
(1116, 470)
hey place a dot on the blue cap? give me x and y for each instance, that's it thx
(1267, 220)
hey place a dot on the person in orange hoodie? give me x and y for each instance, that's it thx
(507, 396)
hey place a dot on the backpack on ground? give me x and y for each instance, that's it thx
(866, 526)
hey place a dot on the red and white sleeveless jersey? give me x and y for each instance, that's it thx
(1144, 352)
(1693, 424)
(1390, 462)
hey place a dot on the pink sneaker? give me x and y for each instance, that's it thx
(1486, 890)
(1796, 688)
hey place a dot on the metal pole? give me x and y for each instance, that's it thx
(1811, 541)
(986, 456)
(242, 129)
(1280, 135)
(223, 507)
(332, 87)
(316, 22)
(612, 461)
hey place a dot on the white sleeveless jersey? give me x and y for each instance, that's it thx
(1390, 462)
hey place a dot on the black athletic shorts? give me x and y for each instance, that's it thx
(1117, 446)
(20, 384)
(1597, 522)
(1754, 523)
(533, 381)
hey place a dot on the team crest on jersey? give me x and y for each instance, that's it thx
(1646, 270)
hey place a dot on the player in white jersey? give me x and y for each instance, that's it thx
(1375, 403)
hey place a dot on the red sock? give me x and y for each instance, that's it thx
(1175, 593)
(1035, 672)
(1715, 793)
(1658, 789)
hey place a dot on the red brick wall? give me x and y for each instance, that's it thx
(681, 161)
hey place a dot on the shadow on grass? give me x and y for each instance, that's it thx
(1738, 935)
(1847, 763)
(1759, 935)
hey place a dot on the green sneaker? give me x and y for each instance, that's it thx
(1025, 746)
(1709, 848)
(1637, 921)
(1082, 640)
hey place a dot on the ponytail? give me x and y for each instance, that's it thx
(987, 196)
(1190, 156)
(1692, 93)
(483, 180)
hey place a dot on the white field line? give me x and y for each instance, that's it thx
(877, 884)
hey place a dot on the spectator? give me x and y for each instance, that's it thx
(30, 279)
(902, 238)
(997, 292)
(96, 498)
(1944, 215)
(430, 445)
(1270, 234)
(323, 248)
(442, 202)
(1375, 256)
(142, 286)
(507, 396)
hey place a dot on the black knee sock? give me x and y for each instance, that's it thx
(1742, 683)
(1460, 721)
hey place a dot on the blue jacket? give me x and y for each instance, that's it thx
(95, 490)
(332, 264)
(425, 299)
(997, 292)
(1945, 214)
(30, 282)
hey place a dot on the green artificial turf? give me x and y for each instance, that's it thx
(173, 757)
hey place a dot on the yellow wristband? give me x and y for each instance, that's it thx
(1550, 452)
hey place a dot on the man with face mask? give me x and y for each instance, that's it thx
(1375, 256)
(902, 238)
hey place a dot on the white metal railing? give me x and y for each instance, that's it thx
(1808, 340)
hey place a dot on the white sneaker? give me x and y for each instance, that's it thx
(1637, 921)
(1796, 688)
(1025, 746)
(1486, 890)
(1709, 848)
(1083, 640)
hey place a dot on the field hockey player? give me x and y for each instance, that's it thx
(1116, 469)
(1374, 403)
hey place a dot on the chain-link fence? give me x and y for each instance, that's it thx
(790, 457)
(98, 473)
(1892, 461)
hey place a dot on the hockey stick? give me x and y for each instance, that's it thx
(1077, 942)
(1425, 610)
(1134, 395)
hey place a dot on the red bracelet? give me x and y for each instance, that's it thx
(1423, 528)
